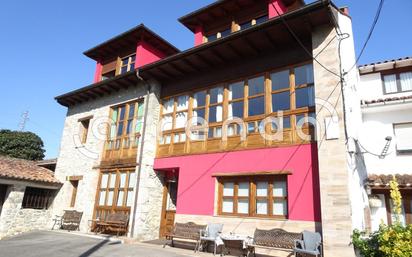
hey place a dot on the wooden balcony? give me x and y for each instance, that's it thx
(121, 150)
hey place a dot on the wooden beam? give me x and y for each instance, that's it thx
(166, 72)
(251, 45)
(178, 69)
(191, 65)
(237, 52)
(218, 56)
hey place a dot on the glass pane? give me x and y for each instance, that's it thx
(227, 205)
(132, 66)
(120, 129)
(168, 106)
(243, 189)
(176, 138)
(228, 188)
(281, 101)
(236, 90)
(125, 61)
(256, 106)
(406, 81)
(120, 198)
(305, 97)
(199, 99)
(140, 110)
(167, 122)
(132, 180)
(167, 139)
(182, 102)
(139, 125)
(182, 137)
(251, 127)
(390, 83)
(123, 70)
(216, 95)
(279, 188)
(280, 80)
(199, 113)
(243, 206)
(129, 200)
(114, 115)
(286, 123)
(112, 182)
(304, 75)
(131, 111)
(262, 188)
(122, 112)
(181, 119)
(215, 113)
(133, 58)
(123, 179)
(102, 197)
(236, 109)
(256, 86)
(105, 178)
(300, 117)
(110, 198)
(129, 127)
(279, 207)
(262, 207)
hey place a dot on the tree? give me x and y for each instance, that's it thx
(24, 145)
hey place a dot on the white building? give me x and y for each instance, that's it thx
(386, 135)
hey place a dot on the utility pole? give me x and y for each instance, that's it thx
(23, 121)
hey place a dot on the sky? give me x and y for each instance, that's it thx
(41, 46)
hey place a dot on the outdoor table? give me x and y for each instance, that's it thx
(234, 242)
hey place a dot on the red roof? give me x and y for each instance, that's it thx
(12, 168)
(388, 99)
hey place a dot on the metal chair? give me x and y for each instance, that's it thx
(210, 234)
(311, 244)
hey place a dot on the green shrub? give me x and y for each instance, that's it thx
(389, 241)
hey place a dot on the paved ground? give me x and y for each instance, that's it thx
(49, 244)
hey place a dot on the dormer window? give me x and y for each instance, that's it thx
(128, 63)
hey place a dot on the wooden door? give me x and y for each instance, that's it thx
(3, 191)
(169, 208)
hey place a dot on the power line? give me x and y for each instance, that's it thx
(301, 44)
(375, 21)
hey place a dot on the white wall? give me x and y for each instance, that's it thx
(371, 87)
(378, 124)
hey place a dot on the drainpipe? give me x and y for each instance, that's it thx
(139, 170)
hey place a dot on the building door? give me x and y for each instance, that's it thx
(169, 207)
(3, 191)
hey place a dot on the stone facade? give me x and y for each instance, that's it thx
(15, 220)
(333, 172)
(83, 160)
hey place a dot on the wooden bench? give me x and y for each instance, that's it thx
(71, 220)
(274, 239)
(187, 231)
(113, 222)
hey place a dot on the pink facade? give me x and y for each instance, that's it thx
(199, 36)
(276, 8)
(196, 189)
(98, 72)
(146, 54)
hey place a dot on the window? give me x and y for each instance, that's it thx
(304, 83)
(127, 63)
(256, 97)
(84, 127)
(280, 90)
(75, 184)
(253, 196)
(37, 198)
(397, 83)
(116, 188)
(236, 99)
(127, 123)
(403, 134)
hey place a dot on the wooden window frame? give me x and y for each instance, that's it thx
(129, 63)
(292, 112)
(116, 189)
(75, 185)
(252, 180)
(123, 141)
(401, 152)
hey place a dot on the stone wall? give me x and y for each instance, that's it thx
(150, 193)
(333, 171)
(83, 160)
(15, 220)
